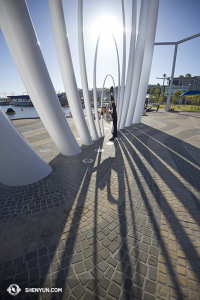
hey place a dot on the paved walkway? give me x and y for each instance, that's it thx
(123, 227)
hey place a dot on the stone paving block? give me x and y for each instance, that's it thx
(147, 232)
(112, 236)
(103, 266)
(79, 291)
(104, 254)
(143, 257)
(138, 279)
(163, 292)
(89, 234)
(88, 264)
(44, 270)
(101, 292)
(34, 275)
(141, 268)
(112, 226)
(7, 264)
(137, 292)
(106, 231)
(79, 268)
(9, 273)
(21, 277)
(152, 273)
(104, 283)
(146, 240)
(45, 281)
(118, 277)
(18, 261)
(110, 272)
(32, 264)
(43, 260)
(143, 247)
(106, 242)
(21, 268)
(69, 271)
(113, 247)
(112, 261)
(153, 260)
(150, 287)
(114, 291)
(92, 284)
(31, 255)
(77, 258)
(98, 275)
(130, 271)
(103, 224)
(84, 278)
(72, 281)
(88, 296)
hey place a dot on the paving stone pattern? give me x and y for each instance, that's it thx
(123, 227)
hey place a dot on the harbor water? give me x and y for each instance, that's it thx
(30, 111)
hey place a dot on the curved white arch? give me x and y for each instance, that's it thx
(95, 88)
(84, 73)
(120, 103)
(102, 129)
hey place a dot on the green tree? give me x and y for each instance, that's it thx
(188, 75)
(155, 94)
(162, 98)
(197, 100)
(175, 97)
(181, 76)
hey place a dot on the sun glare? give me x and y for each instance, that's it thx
(106, 26)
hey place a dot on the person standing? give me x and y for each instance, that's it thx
(108, 117)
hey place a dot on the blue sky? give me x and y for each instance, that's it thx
(177, 19)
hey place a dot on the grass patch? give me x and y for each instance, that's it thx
(188, 108)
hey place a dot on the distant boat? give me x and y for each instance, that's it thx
(21, 100)
(4, 103)
(10, 111)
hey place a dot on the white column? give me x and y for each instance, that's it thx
(167, 108)
(148, 55)
(95, 91)
(129, 76)
(83, 71)
(120, 104)
(19, 162)
(118, 96)
(20, 36)
(67, 71)
(139, 53)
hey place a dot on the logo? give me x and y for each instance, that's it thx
(14, 289)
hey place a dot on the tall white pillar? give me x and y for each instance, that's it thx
(148, 55)
(21, 39)
(118, 96)
(139, 53)
(129, 76)
(167, 108)
(67, 71)
(95, 91)
(19, 162)
(83, 71)
(121, 101)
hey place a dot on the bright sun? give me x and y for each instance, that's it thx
(106, 26)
